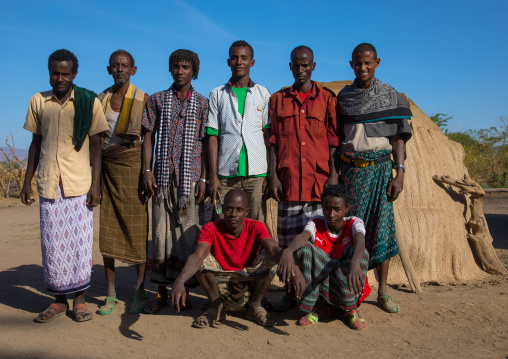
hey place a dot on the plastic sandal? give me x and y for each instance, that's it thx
(108, 306)
(355, 322)
(54, 310)
(386, 302)
(82, 313)
(309, 320)
(139, 302)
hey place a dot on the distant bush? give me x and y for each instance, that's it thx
(12, 171)
(486, 151)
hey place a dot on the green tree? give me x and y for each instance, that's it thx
(486, 153)
(441, 120)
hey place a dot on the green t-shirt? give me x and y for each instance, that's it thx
(243, 162)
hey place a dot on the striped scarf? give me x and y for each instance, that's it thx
(378, 102)
(163, 176)
(83, 108)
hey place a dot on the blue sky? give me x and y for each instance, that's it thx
(447, 56)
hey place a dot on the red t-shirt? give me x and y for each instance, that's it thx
(234, 253)
(304, 95)
(335, 244)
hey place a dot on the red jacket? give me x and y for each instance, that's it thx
(304, 133)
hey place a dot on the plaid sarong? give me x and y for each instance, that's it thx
(236, 287)
(123, 233)
(326, 277)
(366, 189)
(163, 177)
(292, 217)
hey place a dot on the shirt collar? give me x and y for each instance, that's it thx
(50, 95)
(251, 83)
(175, 92)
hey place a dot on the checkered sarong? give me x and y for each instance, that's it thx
(326, 277)
(292, 217)
(123, 233)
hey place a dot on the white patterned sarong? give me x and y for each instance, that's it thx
(66, 243)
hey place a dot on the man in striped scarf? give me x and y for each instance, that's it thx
(178, 183)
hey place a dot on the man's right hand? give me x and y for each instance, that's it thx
(298, 282)
(148, 184)
(286, 267)
(178, 295)
(275, 187)
(26, 194)
(213, 187)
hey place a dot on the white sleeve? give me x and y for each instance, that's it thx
(311, 228)
(358, 226)
(213, 115)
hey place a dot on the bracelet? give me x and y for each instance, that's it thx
(204, 180)
(147, 171)
(395, 166)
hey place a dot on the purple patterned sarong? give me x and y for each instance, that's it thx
(66, 243)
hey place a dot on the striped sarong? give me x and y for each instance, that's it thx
(236, 287)
(292, 217)
(123, 231)
(66, 243)
(326, 277)
(366, 190)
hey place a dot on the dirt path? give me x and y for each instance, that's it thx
(451, 322)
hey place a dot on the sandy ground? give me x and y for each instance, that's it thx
(444, 321)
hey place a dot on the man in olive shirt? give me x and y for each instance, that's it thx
(66, 123)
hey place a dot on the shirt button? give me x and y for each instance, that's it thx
(303, 111)
(303, 160)
(303, 143)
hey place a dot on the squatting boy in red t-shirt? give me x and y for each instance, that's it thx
(338, 264)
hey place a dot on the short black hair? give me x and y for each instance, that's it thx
(239, 43)
(236, 192)
(302, 47)
(335, 190)
(64, 55)
(364, 47)
(182, 55)
(122, 52)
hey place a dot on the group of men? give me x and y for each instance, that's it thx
(237, 147)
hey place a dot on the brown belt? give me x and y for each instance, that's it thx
(359, 162)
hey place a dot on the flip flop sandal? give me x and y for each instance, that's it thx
(54, 310)
(386, 302)
(82, 313)
(355, 322)
(155, 305)
(210, 316)
(285, 304)
(108, 306)
(260, 317)
(309, 320)
(139, 302)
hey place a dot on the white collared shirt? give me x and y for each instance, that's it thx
(234, 131)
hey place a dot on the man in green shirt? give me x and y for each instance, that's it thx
(238, 127)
